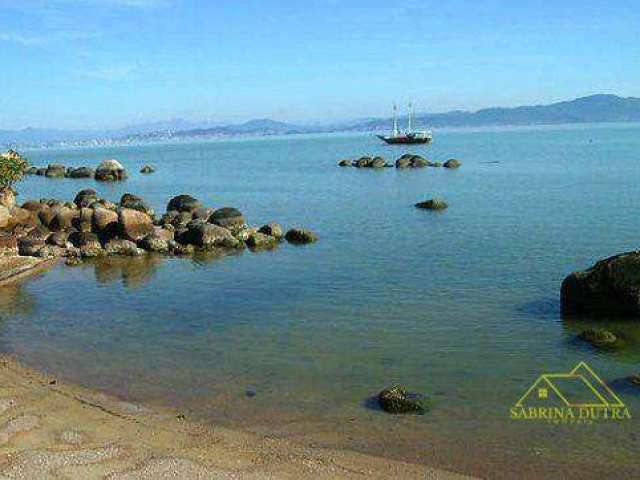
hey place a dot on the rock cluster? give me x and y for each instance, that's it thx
(109, 170)
(91, 227)
(407, 160)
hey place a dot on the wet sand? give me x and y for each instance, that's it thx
(54, 430)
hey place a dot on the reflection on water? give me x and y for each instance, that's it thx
(133, 272)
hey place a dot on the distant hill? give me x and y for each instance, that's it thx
(592, 109)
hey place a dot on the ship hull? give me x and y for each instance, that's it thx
(404, 140)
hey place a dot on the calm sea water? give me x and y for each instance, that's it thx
(461, 305)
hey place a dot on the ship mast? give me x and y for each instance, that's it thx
(395, 121)
(410, 115)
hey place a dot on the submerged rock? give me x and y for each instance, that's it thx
(433, 204)
(147, 169)
(300, 236)
(345, 163)
(81, 172)
(599, 337)
(55, 170)
(110, 171)
(611, 286)
(398, 400)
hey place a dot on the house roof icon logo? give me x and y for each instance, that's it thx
(580, 388)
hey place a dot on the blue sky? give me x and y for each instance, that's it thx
(107, 63)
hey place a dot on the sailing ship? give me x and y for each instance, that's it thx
(407, 136)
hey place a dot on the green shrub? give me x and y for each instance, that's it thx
(12, 168)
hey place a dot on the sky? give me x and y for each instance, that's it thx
(88, 64)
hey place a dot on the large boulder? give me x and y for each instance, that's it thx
(81, 172)
(611, 286)
(63, 218)
(207, 235)
(87, 243)
(56, 170)
(129, 200)
(34, 206)
(59, 239)
(183, 203)
(110, 170)
(134, 225)
(159, 241)
(30, 246)
(258, 240)
(300, 236)
(85, 198)
(398, 400)
(104, 220)
(227, 217)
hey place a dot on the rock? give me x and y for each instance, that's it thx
(418, 162)
(110, 170)
(83, 239)
(273, 230)
(378, 162)
(31, 171)
(181, 249)
(4, 216)
(55, 170)
(22, 216)
(41, 171)
(63, 218)
(300, 236)
(30, 246)
(134, 225)
(50, 251)
(183, 203)
(433, 204)
(159, 241)
(599, 337)
(84, 221)
(7, 197)
(260, 240)
(363, 162)
(40, 233)
(122, 247)
(398, 400)
(244, 233)
(611, 286)
(403, 162)
(208, 235)
(59, 239)
(436, 164)
(345, 163)
(170, 217)
(73, 261)
(81, 172)
(227, 217)
(202, 213)
(85, 198)
(147, 169)
(452, 163)
(104, 221)
(136, 203)
(33, 206)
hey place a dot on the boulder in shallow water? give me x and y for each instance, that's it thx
(56, 170)
(207, 235)
(134, 225)
(110, 171)
(300, 236)
(610, 287)
(345, 163)
(432, 204)
(147, 169)
(258, 240)
(398, 400)
(452, 163)
(227, 217)
(81, 172)
(273, 230)
(363, 162)
(378, 162)
(135, 202)
(183, 203)
(122, 247)
(600, 338)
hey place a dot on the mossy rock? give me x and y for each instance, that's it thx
(397, 400)
(600, 338)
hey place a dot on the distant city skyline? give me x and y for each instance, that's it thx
(91, 64)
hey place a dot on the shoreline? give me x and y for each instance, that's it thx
(49, 428)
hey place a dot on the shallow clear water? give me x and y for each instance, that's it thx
(461, 305)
